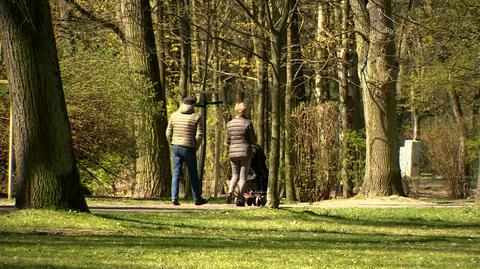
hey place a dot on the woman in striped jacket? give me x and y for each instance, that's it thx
(240, 138)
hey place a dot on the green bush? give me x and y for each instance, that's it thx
(102, 105)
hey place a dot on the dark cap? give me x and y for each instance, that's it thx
(189, 100)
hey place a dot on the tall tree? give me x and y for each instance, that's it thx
(260, 48)
(477, 198)
(153, 172)
(295, 94)
(462, 165)
(322, 89)
(277, 25)
(276, 19)
(343, 13)
(378, 73)
(46, 172)
(185, 45)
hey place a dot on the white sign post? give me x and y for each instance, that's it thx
(410, 160)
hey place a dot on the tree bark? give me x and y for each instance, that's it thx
(462, 166)
(274, 158)
(378, 73)
(153, 172)
(322, 90)
(357, 121)
(261, 74)
(277, 23)
(160, 31)
(295, 93)
(46, 172)
(477, 199)
(343, 94)
(186, 47)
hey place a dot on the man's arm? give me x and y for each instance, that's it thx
(169, 131)
(199, 133)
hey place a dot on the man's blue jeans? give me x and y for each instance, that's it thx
(187, 155)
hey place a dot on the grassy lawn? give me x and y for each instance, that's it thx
(257, 238)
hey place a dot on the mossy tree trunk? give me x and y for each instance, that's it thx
(153, 172)
(378, 74)
(46, 172)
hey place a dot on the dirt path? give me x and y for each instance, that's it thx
(383, 202)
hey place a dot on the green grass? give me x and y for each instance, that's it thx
(257, 238)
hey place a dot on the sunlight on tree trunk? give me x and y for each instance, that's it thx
(46, 171)
(153, 172)
(378, 74)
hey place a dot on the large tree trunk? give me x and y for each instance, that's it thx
(153, 172)
(378, 74)
(46, 172)
(295, 93)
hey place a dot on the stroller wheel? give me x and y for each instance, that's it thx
(260, 201)
(250, 201)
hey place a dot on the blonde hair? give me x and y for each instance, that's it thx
(240, 109)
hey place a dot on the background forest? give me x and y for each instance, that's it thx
(301, 67)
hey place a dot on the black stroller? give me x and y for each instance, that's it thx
(257, 183)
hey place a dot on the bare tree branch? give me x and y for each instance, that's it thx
(107, 24)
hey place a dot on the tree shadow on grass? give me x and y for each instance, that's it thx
(417, 222)
(352, 241)
(196, 238)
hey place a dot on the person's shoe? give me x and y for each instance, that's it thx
(201, 201)
(175, 202)
(229, 198)
(240, 202)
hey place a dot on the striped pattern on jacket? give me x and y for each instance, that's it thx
(240, 137)
(184, 128)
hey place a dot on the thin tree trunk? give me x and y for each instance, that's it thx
(357, 121)
(186, 46)
(274, 158)
(46, 172)
(277, 25)
(261, 74)
(477, 114)
(322, 90)
(159, 22)
(295, 93)
(343, 93)
(153, 172)
(378, 74)
(218, 124)
(462, 166)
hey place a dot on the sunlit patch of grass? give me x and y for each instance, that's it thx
(260, 238)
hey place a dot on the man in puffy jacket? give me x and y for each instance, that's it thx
(185, 134)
